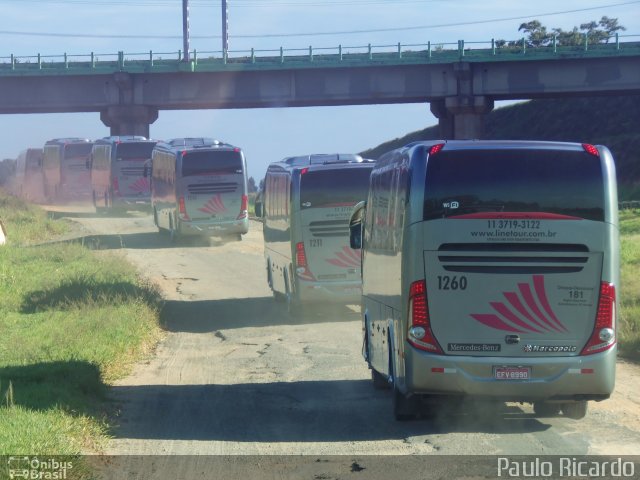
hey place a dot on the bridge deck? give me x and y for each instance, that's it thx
(150, 62)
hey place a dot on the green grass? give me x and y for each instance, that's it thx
(71, 321)
(629, 315)
(26, 224)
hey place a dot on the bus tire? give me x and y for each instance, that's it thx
(173, 236)
(575, 410)
(380, 382)
(155, 220)
(293, 306)
(546, 409)
(404, 408)
(269, 278)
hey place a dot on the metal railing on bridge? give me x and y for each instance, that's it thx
(310, 57)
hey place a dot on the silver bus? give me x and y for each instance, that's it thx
(117, 171)
(29, 175)
(491, 270)
(307, 202)
(66, 176)
(199, 187)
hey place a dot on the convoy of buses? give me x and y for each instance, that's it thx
(483, 269)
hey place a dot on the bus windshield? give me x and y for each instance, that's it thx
(134, 151)
(211, 162)
(326, 188)
(552, 181)
(77, 150)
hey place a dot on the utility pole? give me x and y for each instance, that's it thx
(225, 28)
(185, 28)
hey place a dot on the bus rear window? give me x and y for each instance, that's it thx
(325, 188)
(211, 162)
(550, 181)
(134, 151)
(77, 150)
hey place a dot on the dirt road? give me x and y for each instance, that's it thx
(237, 375)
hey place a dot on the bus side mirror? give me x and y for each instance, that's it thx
(145, 171)
(258, 208)
(88, 163)
(355, 226)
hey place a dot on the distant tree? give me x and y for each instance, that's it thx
(251, 185)
(537, 35)
(608, 28)
(261, 186)
(572, 37)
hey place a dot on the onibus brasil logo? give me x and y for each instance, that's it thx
(33, 468)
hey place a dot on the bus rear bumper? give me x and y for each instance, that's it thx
(590, 377)
(334, 292)
(215, 229)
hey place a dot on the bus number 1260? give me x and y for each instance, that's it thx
(445, 282)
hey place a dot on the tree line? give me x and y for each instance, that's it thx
(537, 35)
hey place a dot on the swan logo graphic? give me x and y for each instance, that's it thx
(525, 311)
(214, 206)
(347, 258)
(140, 186)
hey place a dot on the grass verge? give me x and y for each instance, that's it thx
(629, 315)
(71, 321)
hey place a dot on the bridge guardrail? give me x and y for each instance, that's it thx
(487, 51)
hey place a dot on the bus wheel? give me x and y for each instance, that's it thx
(293, 307)
(155, 220)
(575, 410)
(380, 382)
(546, 409)
(404, 408)
(269, 279)
(172, 231)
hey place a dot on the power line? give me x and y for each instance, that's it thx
(308, 34)
(236, 4)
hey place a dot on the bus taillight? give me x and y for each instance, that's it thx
(243, 208)
(302, 266)
(591, 149)
(603, 336)
(183, 209)
(436, 148)
(420, 333)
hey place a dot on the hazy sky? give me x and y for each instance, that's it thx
(53, 27)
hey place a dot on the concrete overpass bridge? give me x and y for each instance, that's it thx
(460, 81)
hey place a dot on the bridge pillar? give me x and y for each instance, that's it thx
(462, 117)
(129, 119)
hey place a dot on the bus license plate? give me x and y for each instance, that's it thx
(512, 373)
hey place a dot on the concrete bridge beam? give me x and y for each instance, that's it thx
(461, 117)
(129, 119)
